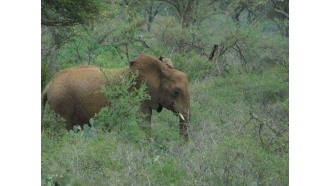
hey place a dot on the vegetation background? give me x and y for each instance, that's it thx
(235, 54)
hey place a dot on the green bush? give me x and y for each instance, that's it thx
(44, 75)
(52, 124)
(195, 66)
(244, 162)
(77, 158)
(165, 172)
(123, 113)
(168, 32)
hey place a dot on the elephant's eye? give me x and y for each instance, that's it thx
(176, 93)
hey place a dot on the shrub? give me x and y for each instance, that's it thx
(77, 157)
(168, 32)
(240, 160)
(165, 172)
(123, 113)
(195, 66)
(52, 124)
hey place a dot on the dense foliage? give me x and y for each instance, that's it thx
(235, 54)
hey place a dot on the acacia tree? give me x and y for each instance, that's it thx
(185, 9)
(276, 10)
(191, 12)
(254, 9)
(68, 13)
(57, 20)
(152, 10)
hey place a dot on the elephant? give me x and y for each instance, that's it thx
(75, 93)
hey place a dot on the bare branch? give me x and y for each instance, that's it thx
(59, 23)
(215, 48)
(142, 42)
(175, 4)
(101, 69)
(276, 8)
(78, 54)
(158, 9)
(282, 12)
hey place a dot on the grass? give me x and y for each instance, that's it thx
(226, 145)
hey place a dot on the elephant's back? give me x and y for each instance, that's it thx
(85, 78)
(77, 90)
(81, 77)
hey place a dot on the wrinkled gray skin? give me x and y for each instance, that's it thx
(75, 93)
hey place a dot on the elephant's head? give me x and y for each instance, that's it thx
(167, 87)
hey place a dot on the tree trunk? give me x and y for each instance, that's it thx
(150, 20)
(152, 11)
(53, 60)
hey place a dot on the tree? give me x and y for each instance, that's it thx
(68, 12)
(185, 10)
(276, 10)
(254, 9)
(279, 13)
(191, 12)
(57, 20)
(152, 10)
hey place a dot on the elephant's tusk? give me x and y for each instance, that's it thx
(181, 116)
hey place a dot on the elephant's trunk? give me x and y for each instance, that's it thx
(184, 129)
(184, 123)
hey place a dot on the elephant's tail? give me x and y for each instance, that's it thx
(43, 102)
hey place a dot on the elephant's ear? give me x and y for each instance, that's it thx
(150, 70)
(162, 59)
(168, 62)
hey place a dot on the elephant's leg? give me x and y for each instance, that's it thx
(81, 117)
(146, 111)
(72, 121)
(146, 123)
(69, 125)
(78, 116)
